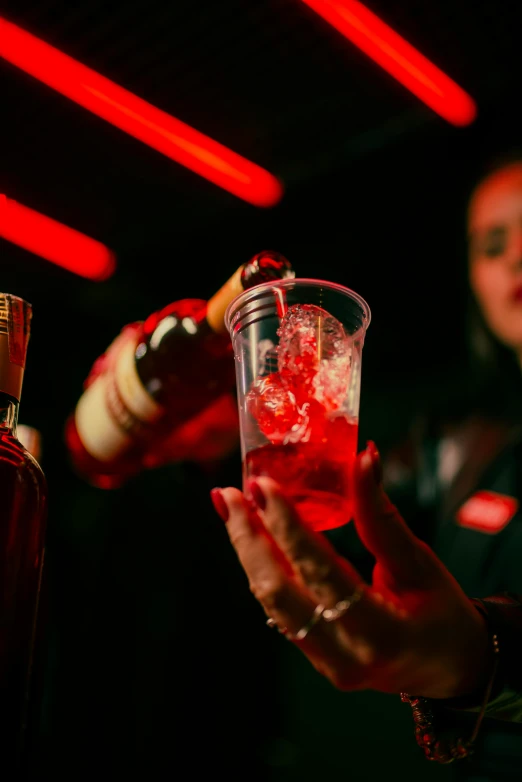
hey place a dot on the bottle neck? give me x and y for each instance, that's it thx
(263, 267)
(8, 414)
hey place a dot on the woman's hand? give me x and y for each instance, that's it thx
(412, 630)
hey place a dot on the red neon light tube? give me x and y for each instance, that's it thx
(140, 119)
(54, 241)
(399, 58)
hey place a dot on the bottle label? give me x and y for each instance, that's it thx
(115, 409)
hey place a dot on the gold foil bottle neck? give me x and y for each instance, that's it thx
(15, 321)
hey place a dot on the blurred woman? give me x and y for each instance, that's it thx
(428, 607)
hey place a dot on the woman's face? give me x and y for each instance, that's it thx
(495, 256)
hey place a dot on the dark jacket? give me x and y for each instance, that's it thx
(458, 483)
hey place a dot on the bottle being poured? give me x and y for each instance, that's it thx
(163, 390)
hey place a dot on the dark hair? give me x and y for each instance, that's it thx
(497, 162)
(492, 363)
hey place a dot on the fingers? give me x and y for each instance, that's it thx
(306, 587)
(329, 578)
(269, 577)
(364, 625)
(294, 610)
(313, 559)
(380, 525)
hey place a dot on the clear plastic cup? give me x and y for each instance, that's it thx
(298, 349)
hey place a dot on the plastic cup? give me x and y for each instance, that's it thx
(298, 349)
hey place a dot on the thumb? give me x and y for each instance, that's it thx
(378, 522)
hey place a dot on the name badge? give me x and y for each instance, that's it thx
(487, 511)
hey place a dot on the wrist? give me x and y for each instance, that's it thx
(478, 662)
(446, 749)
(462, 667)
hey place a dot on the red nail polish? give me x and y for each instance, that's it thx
(376, 461)
(257, 494)
(219, 503)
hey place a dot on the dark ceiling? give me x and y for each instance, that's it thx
(375, 182)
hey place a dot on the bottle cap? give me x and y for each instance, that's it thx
(265, 266)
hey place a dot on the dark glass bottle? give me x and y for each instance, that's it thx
(23, 513)
(156, 376)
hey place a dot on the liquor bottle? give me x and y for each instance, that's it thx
(156, 378)
(23, 514)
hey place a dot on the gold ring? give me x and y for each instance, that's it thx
(272, 623)
(340, 608)
(305, 629)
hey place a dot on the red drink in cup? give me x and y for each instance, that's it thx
(298, 346)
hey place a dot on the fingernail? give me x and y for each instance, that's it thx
(257, 494)
(216, 495)
(376, 461)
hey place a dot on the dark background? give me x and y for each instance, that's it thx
(157, 657)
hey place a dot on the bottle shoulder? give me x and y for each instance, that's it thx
(169, 338)
(174, 315)
(16, 460)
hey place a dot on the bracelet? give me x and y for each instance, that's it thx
(449, 749)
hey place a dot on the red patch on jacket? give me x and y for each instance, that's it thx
(487, 511)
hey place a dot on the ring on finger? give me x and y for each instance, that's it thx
(340, 608)
(305, 629)
(272, 623)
